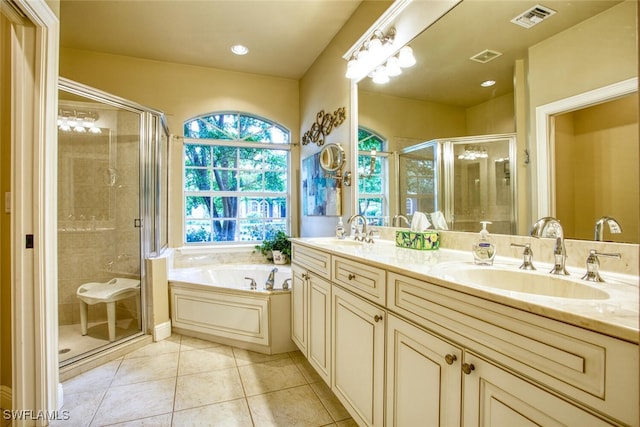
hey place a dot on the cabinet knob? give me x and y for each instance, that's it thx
(377, 318)
(467, 368)
(450, 358)
(305, 276)
(352, 276)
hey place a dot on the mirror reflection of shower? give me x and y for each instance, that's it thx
(100, 272)
(468, 179)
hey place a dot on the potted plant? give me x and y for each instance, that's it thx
(276, 249)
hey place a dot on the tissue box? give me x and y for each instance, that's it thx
(423, 241)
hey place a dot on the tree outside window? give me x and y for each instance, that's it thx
(372, 191)
(236, 182)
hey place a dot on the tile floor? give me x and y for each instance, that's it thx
(184, 381)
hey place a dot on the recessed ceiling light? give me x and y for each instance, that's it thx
(488, 83)
(239, 49)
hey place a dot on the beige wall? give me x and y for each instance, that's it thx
(598, 148)
(590, 55)
(409, 119)
(5, 219)
(324, 87)
(182, 92)
(403, 119)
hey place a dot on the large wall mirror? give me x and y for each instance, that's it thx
(580, 46)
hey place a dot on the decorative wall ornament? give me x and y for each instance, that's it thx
(324, 124)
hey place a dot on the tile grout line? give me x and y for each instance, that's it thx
(244, 390)
(95, 413)
(175, 386)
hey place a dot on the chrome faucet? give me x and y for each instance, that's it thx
(550, 227)
(268, 285)
(360, 236)
(614, 227)
(593, 265)
(396, 220)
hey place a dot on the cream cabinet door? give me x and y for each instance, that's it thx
(423, 377)
(299, 315)
(319, 342)
(495, 397)
(358, 356)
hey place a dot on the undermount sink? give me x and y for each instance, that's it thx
(334, 241)
(525, 282)
(348, 242)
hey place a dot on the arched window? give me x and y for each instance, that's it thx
(372, 183)
(235, 165)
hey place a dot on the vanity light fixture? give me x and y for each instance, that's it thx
(473, 153)
(78, 121)
(369, 52)
(239, 49)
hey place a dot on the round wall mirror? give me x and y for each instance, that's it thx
(332, 158)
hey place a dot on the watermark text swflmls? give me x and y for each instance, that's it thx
(29, 414)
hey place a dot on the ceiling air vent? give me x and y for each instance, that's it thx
(533, 16)
(485, 56)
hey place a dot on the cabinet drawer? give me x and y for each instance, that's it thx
(364, 280)
(313, 260)
(579, 363)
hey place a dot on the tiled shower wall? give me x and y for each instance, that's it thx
(98, 201)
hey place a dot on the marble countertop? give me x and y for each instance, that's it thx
(617, 316)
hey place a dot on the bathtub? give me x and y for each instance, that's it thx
(216, 302)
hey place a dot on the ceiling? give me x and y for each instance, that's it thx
(444, 72)
(284, 37)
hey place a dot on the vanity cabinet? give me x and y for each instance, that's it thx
(562, 363)
(299, 308)
(358, 359)
(424, 373)
(495, 397)
(311, 309)
(433, 382)
(405, 351)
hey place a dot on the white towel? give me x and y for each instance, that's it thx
(439, 223)
(419, 222)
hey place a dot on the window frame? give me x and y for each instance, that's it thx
(239, 144)
(382, 159)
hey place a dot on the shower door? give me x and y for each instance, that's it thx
(102, 200)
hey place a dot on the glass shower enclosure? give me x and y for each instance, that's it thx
(468, 179)
(112, 210)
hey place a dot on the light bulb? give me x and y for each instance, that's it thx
(239, 49)
(393, 68)
(406, 58)
(380, 75)
(352, 68)
(363, 55)
(374, 45)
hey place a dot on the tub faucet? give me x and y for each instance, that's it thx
(360, 236)
(614, 227)
(550, 227)
(271, 279)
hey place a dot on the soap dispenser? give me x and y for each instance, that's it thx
(484, 251)
(340, 229)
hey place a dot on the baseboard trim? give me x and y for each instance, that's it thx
(6, 397)
(162, 331)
